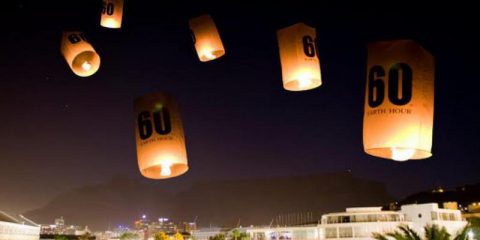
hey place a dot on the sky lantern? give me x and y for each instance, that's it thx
(112, 13)
(79, 54)
(206, 38)
(299, 57)
(159, 136)
(398, 117)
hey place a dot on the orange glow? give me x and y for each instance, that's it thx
(208, 43)
(298, 57)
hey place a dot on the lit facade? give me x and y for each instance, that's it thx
(361, 223)
(12, 229)
(206, 233)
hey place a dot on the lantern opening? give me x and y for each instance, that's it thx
(86, 63)
(304, 80)
(86, 66)
(402, 154)
(208, 55)
(166, 169)
(110, 23)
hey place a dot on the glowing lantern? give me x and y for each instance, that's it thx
(207, 41)
(79, 54)
(398, 117)
(112, 13)
(159, 135)
(299, 57)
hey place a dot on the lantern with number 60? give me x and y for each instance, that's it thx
(112, 13)
(160, 138)
(299, 57)
(398, 117)
(79, 54)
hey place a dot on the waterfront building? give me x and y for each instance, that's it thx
(17, 229)
(361, 223)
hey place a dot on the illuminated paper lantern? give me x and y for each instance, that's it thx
(112, 13)
(207, 40)
(160, 139)
(398, 117)
(79, 54)
(299, 57)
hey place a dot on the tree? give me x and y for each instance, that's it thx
(217, 237)
(61, 237)
(432, 232)
(161, 236)
(235, 234)
(129, 236)
(403, 233)
(244, 236)
(178, 236)
(470, 231)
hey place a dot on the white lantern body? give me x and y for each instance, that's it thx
(299, 57)
(112, 13)
(208, 43)
(399, 101)
(160, 140)
(79, 54)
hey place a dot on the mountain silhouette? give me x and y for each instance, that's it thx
(220, 203)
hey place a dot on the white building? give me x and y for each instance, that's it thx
(361, 223)
(205, 233)
(421, 215)
(13, 229)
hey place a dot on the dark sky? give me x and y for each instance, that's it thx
(59, 131)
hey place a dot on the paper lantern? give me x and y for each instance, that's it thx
(160, 139)
(299, 57)
(79, 54)
(112, 13)
(398, 117)
(206, 38)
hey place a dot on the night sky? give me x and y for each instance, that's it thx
(59, 131)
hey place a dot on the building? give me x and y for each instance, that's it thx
(150, 228)
(361, 223)
(14, 229)
(60, 225)
(421, 215)
(188, 227)
(50, 231)
(205, 233)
